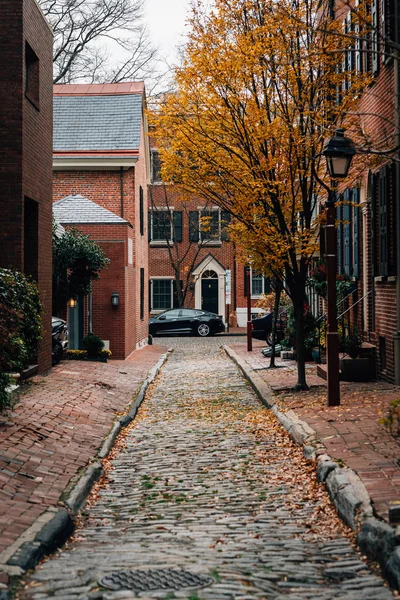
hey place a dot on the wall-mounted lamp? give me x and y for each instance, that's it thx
(72, 303)
(114, 299)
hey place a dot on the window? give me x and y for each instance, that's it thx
(155, 167)
(384, 221)
(31, 75)
(141, 211)
(141, 293)
(162, 294)
(259, 284)
(160, 225)
(165, 225)
(208, 226)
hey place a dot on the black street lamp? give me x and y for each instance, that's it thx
(338, 152)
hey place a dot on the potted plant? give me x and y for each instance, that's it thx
(353, 367)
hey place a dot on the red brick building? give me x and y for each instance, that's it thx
(368, 219)
(196, 234)
(101, 154)
(114, 324)
(26, 151)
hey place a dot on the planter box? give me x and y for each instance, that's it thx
(355, 369)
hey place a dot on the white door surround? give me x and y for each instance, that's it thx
(209, 263)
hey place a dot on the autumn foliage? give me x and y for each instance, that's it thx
(260, 90)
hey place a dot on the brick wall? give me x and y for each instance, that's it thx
(113, 324)
(114, 190)
(26, 149)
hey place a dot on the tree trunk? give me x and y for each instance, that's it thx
(298, 305)
(278, 291)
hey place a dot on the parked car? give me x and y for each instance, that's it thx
(186, 320)
(59, 335)
(262, 329)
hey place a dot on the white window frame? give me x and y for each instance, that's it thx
(209, 241)
(157, 311)
(164, 241)
(256, 296)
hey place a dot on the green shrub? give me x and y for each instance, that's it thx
(93, 344)
(20, 322)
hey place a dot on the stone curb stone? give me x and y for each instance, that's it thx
(392, 568)
(345, 488)
(377, 540)
(56, 531)
(81, 491)
(51, 536)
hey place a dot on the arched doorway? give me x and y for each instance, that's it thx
(209, 291)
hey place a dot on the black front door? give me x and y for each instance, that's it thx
(209, 293)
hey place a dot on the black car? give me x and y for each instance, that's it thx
(186, 320)
(261, 328)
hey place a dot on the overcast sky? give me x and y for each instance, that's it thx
(166, 22)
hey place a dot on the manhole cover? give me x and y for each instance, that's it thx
(165, 579)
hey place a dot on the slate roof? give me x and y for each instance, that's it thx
(78, 209)
(101, 123)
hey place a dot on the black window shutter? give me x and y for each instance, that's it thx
(339, 238)
(347, 249)
(225, 220)
(267, 285)
(141, 211)
(383, 222)
(149, 225)
(246, 290)
(141, 293)
(375, 36)
(194, 225)
(150, 295)
(356, 240)
(177, 217)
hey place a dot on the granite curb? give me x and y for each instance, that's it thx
(51, 530)
(377, 539)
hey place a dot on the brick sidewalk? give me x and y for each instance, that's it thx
(351, 432)
(56, 428)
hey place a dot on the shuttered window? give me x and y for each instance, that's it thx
(383, 222)
(141, 211)
(339, 223)
(356, 240)
(141, 293)
(347, 242)
(375, 36)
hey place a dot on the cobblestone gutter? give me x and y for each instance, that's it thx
(377, 540)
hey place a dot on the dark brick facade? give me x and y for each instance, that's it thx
(26, 150)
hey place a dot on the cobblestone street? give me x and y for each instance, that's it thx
(206, 482)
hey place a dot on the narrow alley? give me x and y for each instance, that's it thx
(211, 499)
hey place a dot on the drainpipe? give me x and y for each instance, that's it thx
(121, 182)
(396, 339)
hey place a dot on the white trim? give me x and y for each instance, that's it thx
(165, 278)
(209, 263)
(74, 163)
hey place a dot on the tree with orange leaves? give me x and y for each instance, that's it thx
(256, 97)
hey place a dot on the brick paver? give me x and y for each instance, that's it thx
(56, 429)
(351, 432)
(206, 481)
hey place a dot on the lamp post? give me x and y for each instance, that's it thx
(338, 152)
